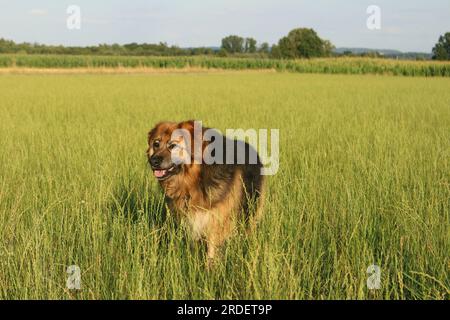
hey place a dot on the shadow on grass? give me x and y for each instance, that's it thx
(136, 200)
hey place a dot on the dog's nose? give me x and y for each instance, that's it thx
(156, 161)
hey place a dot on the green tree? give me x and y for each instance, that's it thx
(441, 50)
(264, 48)
(304, 43)
(250, 45)
(233, 44)
(328, 48)
(275, 52)
(347, 53)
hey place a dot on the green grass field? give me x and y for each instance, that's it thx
(364, 179)
(339, 65)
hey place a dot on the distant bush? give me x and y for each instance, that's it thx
(6, 61)
(303, 43)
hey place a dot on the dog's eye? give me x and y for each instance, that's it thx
(156, 144)
(171, 146)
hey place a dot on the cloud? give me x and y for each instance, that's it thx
(38, 12)
(392, 30)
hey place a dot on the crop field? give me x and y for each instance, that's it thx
(364, 180)
(340, 65)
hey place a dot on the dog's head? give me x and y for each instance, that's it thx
(169, 145)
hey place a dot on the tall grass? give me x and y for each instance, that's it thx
(5, 61)
(364, 179)
(328, 65)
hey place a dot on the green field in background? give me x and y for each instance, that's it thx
(342, 65)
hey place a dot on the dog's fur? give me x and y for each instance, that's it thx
(210, 197)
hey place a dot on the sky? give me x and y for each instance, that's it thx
(406, 25)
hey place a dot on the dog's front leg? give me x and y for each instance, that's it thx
(211, 248)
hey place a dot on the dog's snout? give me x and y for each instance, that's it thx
(156, 161)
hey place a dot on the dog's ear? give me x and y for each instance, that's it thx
(196, 137)
(159, 127)
(188, 125)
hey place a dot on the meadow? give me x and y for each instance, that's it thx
(364, 179)
(339, 65)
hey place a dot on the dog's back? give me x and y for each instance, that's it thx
(247, 163)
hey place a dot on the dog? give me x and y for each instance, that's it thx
(210, 197)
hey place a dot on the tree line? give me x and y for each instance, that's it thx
(131, 49)
(298, 43)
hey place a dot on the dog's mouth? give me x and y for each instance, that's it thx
(162, 174)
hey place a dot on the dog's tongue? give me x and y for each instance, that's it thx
(159, 173)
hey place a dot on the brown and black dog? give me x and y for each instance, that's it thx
(211, 197)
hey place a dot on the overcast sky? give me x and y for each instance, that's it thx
(407, 25)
